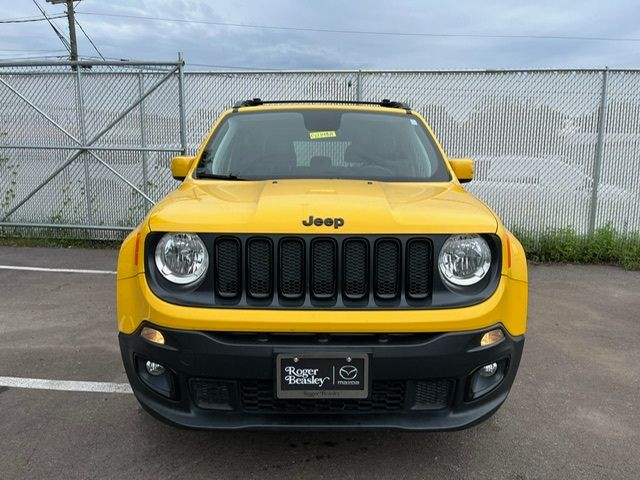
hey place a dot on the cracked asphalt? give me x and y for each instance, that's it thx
(574, 411)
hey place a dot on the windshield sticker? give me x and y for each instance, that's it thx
(325, 134)
(413, 122)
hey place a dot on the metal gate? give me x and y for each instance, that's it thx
(89, 148)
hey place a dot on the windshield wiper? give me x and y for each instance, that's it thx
(215, 176)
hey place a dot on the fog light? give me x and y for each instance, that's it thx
(157, 377)
(491, 337)
(486, 378)
(486, 371)
(152, 335)
(154, 368)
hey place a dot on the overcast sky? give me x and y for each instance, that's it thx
(229, 46)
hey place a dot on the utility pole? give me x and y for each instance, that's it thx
(72, 27)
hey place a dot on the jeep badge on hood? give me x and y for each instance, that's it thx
(328, 222)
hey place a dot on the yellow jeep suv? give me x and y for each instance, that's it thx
(321, 266)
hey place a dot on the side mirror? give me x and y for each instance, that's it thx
(462, 168)
(180, 167)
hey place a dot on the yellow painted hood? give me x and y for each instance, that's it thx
(280, 207)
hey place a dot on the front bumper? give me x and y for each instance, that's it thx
(222, 380)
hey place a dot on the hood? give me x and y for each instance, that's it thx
(282, 206)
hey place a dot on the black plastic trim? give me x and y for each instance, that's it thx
(442, 295)
(431, 265)
(315, 295)
(287, 299)
(215, 356)
(260, 296)
(221, 291)
(388, 299)
(347, 297)
(255, 102)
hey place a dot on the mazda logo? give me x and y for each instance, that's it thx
(348, 372)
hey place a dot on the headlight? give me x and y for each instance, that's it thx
(464, 259)
(182, 258)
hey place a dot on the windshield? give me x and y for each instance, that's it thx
(343, 144)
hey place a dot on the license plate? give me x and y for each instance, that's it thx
(322, 375)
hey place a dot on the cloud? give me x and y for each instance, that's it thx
(281, 49)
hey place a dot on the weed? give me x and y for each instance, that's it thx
(604, 246)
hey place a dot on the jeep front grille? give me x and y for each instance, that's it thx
(321, 271)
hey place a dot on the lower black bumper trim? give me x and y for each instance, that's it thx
(446, 359)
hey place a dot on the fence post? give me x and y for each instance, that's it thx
(597, 160)
(181, 106)
(83, 139)
(359, 86)
(143, 142)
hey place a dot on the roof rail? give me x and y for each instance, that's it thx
(391, 104)
(248, 103)
(254, 102)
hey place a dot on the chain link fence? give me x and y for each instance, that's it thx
(89, 149)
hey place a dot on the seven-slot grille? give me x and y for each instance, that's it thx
(322, 271)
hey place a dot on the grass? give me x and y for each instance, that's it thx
(60, 238)
(59, 243)
(604, 246)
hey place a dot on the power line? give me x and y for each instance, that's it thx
(38, 57)
(31, 50)
(366, 32)
(28, 19)
(232, 67)
(64, 41)
(90, 41)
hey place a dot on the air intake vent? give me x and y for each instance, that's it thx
(259, 268)
(292, 269)
(212, 394)
(433, 394)
(419, 264)
(355, 283)
(258, 397)
(227, 267)
(323, 268)
(387, 269)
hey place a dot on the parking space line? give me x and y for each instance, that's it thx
(65, 385)
(56, 270)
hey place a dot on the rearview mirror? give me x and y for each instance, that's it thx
(462, 168)
(180, 167)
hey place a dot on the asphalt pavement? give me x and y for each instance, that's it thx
(574, 411)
